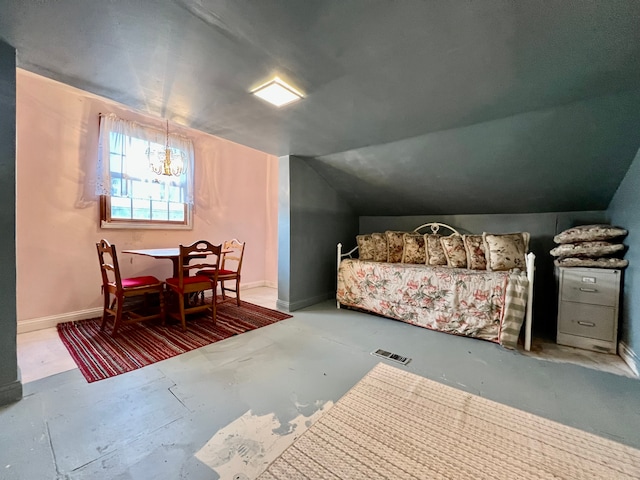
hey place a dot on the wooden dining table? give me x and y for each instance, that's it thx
(171, 253)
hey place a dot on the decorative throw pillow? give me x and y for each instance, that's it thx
(474, 246)
(454, 251)
(590, 233)
(586, 249)
(435, 252)
(380, 247)
(592, 262)
(395, 245)
(366, 247)
(414, 250)
(505, 251)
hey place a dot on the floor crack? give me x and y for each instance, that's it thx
(178, 398)
(53, 452)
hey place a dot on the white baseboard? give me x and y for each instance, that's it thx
(41, 323)
(261, 283)
(630, 358)
(52, 320)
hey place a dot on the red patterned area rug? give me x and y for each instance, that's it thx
(99, 355)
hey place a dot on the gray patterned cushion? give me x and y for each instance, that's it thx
(366, 247)
(435, 252)
(395, 245)
(592, 262)
(454, 251)
(414, 250)
(586, 249)
(505, 251)
(380, 244)
(590, 233)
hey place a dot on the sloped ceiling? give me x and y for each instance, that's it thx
(411, 107)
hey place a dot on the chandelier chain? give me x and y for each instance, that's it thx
(169, 162)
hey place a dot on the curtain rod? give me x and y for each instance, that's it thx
(144, 125)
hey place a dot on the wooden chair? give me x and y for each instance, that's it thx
(116, 290)
(230, 268)
(185, 287)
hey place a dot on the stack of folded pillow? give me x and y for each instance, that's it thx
(598, 246)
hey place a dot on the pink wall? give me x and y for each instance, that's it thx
(57, 211)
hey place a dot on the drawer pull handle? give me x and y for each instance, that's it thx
(586, 324)
(591, 290)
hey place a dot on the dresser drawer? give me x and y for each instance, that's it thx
(593, 287)
(584, 320)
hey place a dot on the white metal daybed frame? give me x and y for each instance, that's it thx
(530, 262)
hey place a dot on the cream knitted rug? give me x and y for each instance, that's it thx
(397, 425)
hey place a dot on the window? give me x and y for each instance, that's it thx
(131, 194)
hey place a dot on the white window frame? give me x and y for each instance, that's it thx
(124, 131)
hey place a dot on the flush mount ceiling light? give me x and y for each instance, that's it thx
(277, 92)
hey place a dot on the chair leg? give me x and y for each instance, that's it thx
(183, 319)
(224, 295)
(105, 312)
(163, 311)
(214, 305)
(118, 316)
(238, 291)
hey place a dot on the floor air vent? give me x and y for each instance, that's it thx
(391, 356)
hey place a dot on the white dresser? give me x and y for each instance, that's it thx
(588, 308)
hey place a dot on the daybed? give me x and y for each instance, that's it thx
(471, 285)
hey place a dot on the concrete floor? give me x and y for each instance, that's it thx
(226, 410)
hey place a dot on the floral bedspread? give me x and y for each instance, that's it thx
(476, 303)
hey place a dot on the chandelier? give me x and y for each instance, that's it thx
(170, 161)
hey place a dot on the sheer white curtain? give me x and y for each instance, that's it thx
(119, 135)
